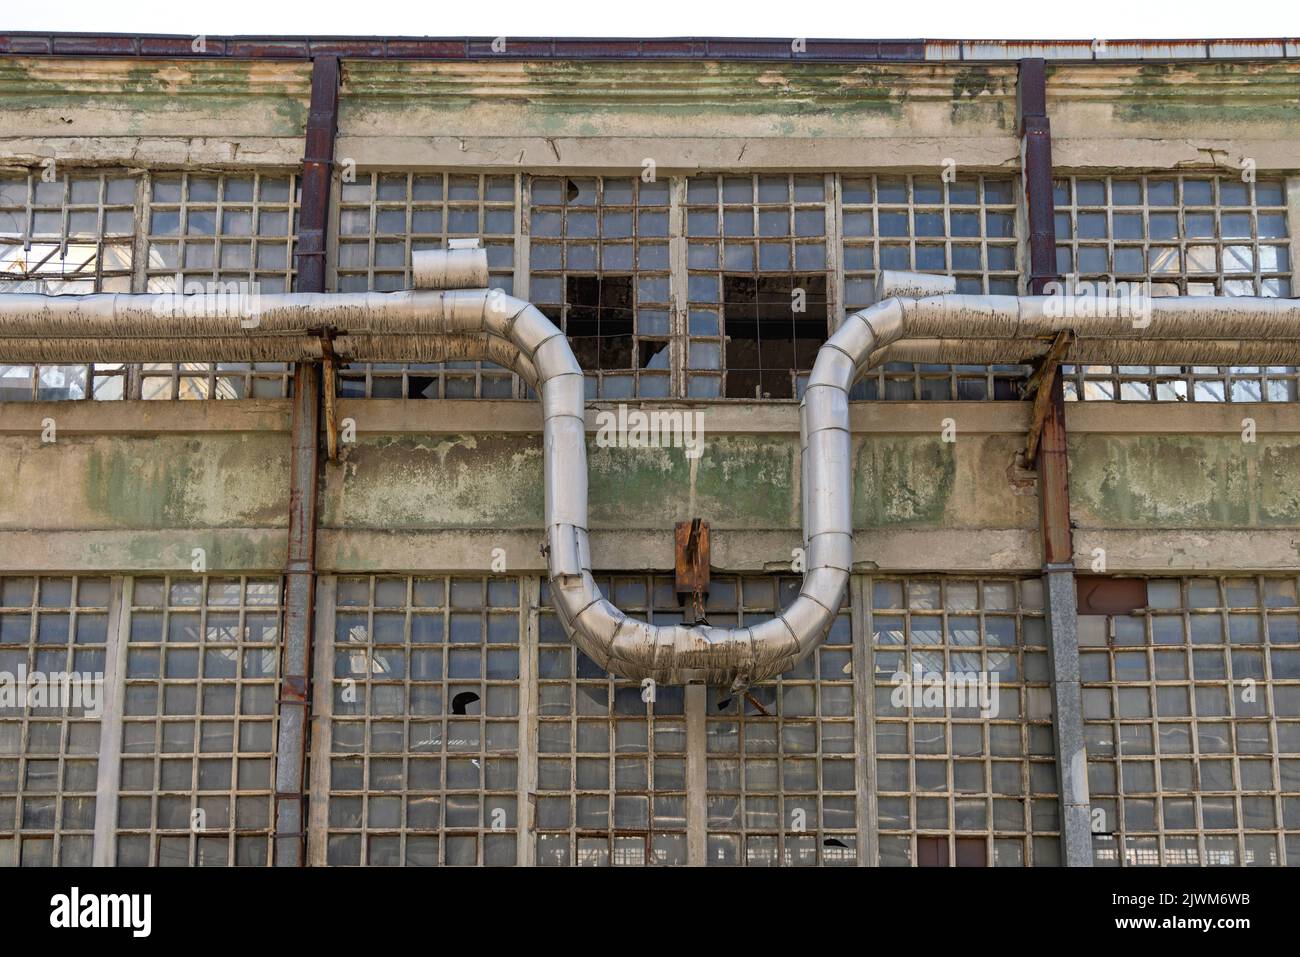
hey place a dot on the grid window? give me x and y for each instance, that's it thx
(782, 759)
(424, 739)
(199, 722)
(1190, 236)
(611, 766)
(963, 775)
(383, 218)
(599, 268)
(49, 746)
(966, 229)
(1192, 725)
(757, 284)
(71, 235)
(227, 228)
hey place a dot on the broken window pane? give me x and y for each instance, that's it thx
(424, 734)
(781, 765)
(763, 300)
(963, 736)
(233, 229)
(1154, 730)
(599, 269)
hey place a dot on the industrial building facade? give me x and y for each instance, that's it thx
(315, 616)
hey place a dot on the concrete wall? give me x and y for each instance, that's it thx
(153, 481)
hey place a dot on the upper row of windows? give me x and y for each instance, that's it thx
(768, 264)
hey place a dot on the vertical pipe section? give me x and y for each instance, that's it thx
(1054, 482)
(300, 567)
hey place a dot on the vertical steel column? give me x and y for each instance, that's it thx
(1054, 483)
(300, 568)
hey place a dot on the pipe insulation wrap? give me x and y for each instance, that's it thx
(451, 316)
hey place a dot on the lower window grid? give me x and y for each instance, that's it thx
(782, 763)
(962, 782)
(49, 750)
(424, 734)
(199, 722)
(1192, 725)
(611, 783)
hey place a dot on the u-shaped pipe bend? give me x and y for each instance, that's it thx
(680, 653)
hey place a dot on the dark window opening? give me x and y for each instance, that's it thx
(599, 320)
(463, 701)
(774, 326)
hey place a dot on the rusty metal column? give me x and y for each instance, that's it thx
(300, 568)
(1054, 484)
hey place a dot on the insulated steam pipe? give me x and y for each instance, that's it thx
(463, 320)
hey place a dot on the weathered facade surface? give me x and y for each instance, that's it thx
(667, 213)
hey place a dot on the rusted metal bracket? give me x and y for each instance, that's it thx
(330, 396)
(692, 564)
(1039, 385)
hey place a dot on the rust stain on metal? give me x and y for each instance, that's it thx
(1042, 397)
(692, 563)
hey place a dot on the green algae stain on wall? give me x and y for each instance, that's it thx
(738, 482)
(445, 481)
(239, 480)
(496, 481)
(903, 480)
(636, 488)
(1162, 481)
(140, 92)
(748, 482)
(1215, 93)
(150, 491)
(1278, 475)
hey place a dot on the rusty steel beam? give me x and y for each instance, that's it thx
(1054, 480)
(1053, 477)
(1036, 144)
(692, 551)
(317, 168)
(300, 567)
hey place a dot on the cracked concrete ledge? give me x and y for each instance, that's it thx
(140, 417)
(1183, 550)
(1098, 146)
(677, 155)
(489, 416)
(155, 152)
(886, 552)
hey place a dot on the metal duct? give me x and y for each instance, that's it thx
(432, 325)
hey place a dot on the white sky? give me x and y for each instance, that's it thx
(931, 19)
